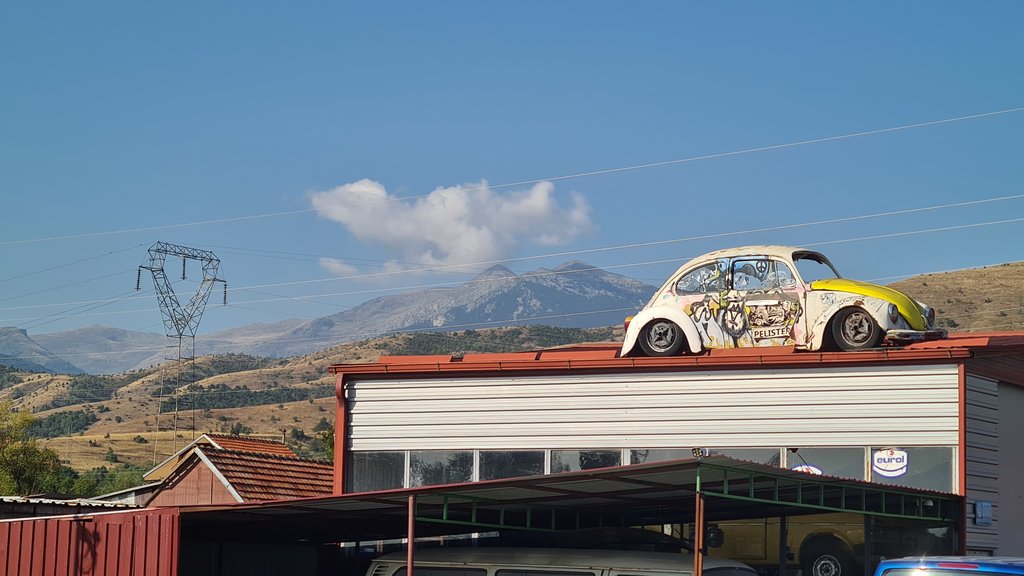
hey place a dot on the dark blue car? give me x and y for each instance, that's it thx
(950, 566)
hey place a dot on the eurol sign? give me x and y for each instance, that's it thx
(890, 462)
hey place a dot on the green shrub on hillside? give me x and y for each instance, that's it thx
(61, 424)
(225, 396)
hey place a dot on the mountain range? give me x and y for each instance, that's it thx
(574, 294)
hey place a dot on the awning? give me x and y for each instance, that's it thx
(636, 495)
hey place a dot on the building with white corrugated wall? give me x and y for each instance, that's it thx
(941, 416)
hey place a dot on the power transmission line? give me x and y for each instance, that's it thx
(551, 273)
(620, 247)
(644, 166)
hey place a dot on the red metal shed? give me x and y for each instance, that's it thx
(138, 542)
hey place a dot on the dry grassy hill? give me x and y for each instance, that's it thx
(987, 299)
(129, 428)
(288, 398)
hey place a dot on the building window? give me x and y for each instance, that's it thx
(512, 464)
(769, 456)
(377, 471)
(538, 572)
(441, 571)
(658, 455)
(928, 468)
(429, 468)
(566, 460)
(839, 462)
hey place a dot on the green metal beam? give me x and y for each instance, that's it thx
(814, 494)
(460, 510)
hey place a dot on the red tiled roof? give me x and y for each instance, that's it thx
(268, 477)
(243, 444)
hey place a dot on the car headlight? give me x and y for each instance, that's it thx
(894, 313)
(929, 316)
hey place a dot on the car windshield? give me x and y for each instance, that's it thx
(813, 266)
(929, 571)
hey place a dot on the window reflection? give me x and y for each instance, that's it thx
(928, 468)
(494, 465)
(377, 471)
(840, 462)
(566, 460)
(429, 468)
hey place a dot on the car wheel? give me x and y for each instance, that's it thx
(829, 562)
(855, 329)
(661, 338)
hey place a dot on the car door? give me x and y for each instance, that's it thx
(764, 304)
(698, 292)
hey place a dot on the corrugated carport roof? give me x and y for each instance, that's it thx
(644, 494)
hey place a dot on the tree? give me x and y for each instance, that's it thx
(25, 467)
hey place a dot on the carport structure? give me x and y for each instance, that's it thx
(678, 492)
(296, 536)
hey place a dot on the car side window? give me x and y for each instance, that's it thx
(780, 275)
(761, 274)
(707, 278)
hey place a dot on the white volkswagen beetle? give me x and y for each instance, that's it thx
(772, 296)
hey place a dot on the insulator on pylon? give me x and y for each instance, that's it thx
(225, 293)
(138, 279)
(183, 267)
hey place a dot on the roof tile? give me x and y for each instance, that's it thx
(270, 477)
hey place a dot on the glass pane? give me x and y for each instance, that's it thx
(780, 275)
(931, 572)
(495, 465)
(527, 572)
(749, 273)
(377, 471)
(730, 571)
(658, 455)
(841, 462)
(769, 456)
(429, 468)
(566, 460)
(929, 468)
(897, 538)
(708, 278)
(438, 571)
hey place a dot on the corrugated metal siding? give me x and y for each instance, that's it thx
(982, 455)
(1011, 469)
(908, 405)
(119, 544)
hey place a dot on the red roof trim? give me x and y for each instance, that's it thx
(604, 357)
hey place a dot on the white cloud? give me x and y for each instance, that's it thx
(454, 225)
(337, 267)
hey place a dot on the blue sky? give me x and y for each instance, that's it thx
(120, 121)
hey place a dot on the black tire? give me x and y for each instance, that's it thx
(828, 561)
(661, 338)
(854, 329)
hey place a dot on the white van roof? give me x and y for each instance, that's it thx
(560, 557)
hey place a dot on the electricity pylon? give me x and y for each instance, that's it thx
(180, 322)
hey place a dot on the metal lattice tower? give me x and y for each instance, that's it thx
(180, 322)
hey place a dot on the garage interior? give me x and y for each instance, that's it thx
(302, 536)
